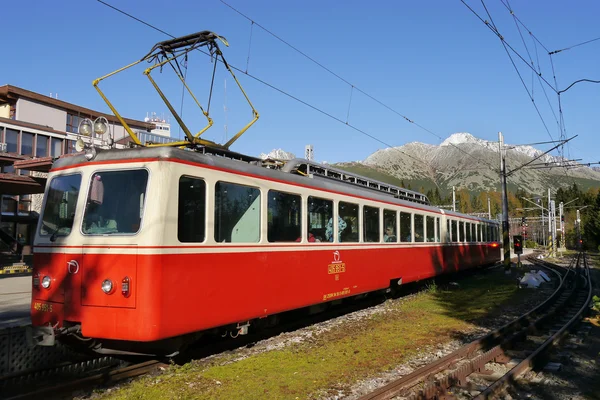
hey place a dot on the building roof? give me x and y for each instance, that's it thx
(21, 184)
(9, 93)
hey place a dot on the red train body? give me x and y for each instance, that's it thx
(174, 242)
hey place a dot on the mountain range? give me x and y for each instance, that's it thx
(464, 161)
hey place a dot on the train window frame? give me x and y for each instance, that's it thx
(375, 235)
(347, 232)
(403, 237)
(448, 230)
(428, 237)
(454, 230)
(394, 233)
(325, 225)
(206, 193)
(468, 236)
(259, 208)
(143, 211)
(419, 237)
(438, 230)
(43, 209)
(461, 231)
(297, 235)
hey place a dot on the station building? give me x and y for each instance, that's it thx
(35, 129)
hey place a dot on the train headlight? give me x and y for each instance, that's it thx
(107, 286)
(46, 282)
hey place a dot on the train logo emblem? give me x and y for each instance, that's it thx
(73, 267)
(336, 256)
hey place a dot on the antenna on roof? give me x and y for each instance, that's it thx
(225, 109)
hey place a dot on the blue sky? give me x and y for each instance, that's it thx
(432, 61)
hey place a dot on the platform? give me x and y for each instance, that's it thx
(15, 297)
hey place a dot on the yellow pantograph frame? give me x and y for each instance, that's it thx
(191, 139)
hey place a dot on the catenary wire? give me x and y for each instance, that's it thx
(354, 87)
(275, 88)
(306, 103)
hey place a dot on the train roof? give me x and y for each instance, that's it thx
(297, 171)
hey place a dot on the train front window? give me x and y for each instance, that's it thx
(61, 201)
(115, 202)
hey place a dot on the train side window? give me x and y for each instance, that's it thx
(454, 231)
(405, 228)
(370, 224)
(461, 231)
(468, 228)
(448, 231)
(237, 213)
(438, 229)
(479, 232)
(284, 217)
(489, 233)
(320, 217)
(191, 217)
(389, 225)
(348, 212)
(419, 228)
(473, 232)
(430, 221)
(486, 237)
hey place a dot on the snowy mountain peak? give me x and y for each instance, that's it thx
(462, 138)
(277, 154)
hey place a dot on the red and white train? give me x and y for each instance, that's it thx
(139, 250)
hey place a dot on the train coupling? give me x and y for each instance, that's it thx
(46, 335)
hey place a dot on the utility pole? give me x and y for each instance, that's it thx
(489, 208)
(550, 245)
(543, 225)
(553, 225)
(578, 222)
(562, 226)
(505, 226)
(453, 199)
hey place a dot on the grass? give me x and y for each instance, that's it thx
(329, 363)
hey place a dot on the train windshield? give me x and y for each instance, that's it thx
(61, 201)
(115, 202)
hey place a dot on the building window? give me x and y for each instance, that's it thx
(41, 146)
(71, 147)
(12, 140)
(284, 214)
(9, 205)
(320, 215)
(370, 224)
(237, 213)
(24, 204)
(27, 144)
(73, 123)
(191, 221)
(57, 147)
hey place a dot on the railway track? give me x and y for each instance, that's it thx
(516, 347)
(108, 374)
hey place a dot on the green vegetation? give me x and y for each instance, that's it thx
(329, 362)
(530, 244)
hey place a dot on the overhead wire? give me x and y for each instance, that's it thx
(275, 88)
(353, 87)
(572, 47)
(491, 25)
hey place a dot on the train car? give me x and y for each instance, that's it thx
(142, 250)
(139, 249)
